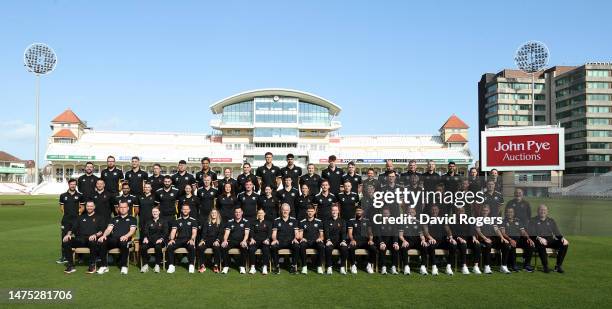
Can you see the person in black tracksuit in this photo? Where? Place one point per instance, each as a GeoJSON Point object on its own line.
{"type": "Point", "coordinates": [269, 203]}
{"type": "Point", "coordinates": [546, 234]}
{"type": "Point", "coordinates": [335, 238]}
{"type": "Point", "coordinates": [207, 196]}
{"type": "Point", "coordinates": [490, 237]}
{"type": "Point", "coordinates": [153, 235]}
{"type": "Point", "coordinates": [348, 201]}
{"type": "Point", "coordinates": [83, 232]}
{"type": "Point", "coordinates": [104, 200]}
{"type": "Point", "coordinates": [288, 194]}
{"type": "Point", "coordinates": [514, 231]}
{"type": "Point", "coordinates": [211, 233]}
{"type": "Point", "coordinates": [360, 236]}
{"type": "Point", "coordinates": [248, 200]}
{"type": "Point", "coordinates": [146, 203]}
{"type": "Point", "coordinates": [333, 174]}
{"type": "Point", "coordinates": [167, 200]}
{"type": "Point", "coordinates": [183, 234]}
{"type": "Point", "coordinates": [189, 198]}
{"type": "Point", "coordinates": [465, 237]}
{"type": "Point", "coordinates": [227, 202]}
{"type": "Point", "coordinates": [261, 237]}
{"type": "Point", "coordinates": [71, 205]}
{"type": "Point", "coordinates": [386, 238]}
{"type": "Point", "coordinates": [311, 237]}
{"type": "Point", "coordinates": [439, 237]}
{"type": "Point", "coordinates": [87, 182]}
{"type": "Point", "coordinates": [284, 236]}
{"type": "Point", "coordinates": [411, 237]}
{"type": "Point", "coordinates": [324, 201]}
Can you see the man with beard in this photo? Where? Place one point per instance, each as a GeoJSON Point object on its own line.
{"type": "Point", "coordinates": [83, 232]}
{"type": "Point", "coordinates": [87, 181]}
{"type": "Point", "coordinates": [412, 170]}
{"type": "Point", "coordinates": [112, 176]}
{"type": "Point", "coordinates": [360, 236]}
{"type": "Point", "coordinates": [183, 235]}
{"type": "Point", "coordinates": [311, 237]}
{"type": "Point", "coordinates": [430, 178]}
{"type": "Point", "coordinates": [136, 177]}
{"type": "Point", "coordinates": [167, 200]}
{"type": "Point", "coordinates": [71, 206]}
{"type": "Point", "coordinates": [291, 170]}
{"type": "Point", "coordinates": [206, 171]}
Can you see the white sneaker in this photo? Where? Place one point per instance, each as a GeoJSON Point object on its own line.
{"type": "Point", "coordinates": [476, 270]}
{"type": "Point", "coordinates": [406, 270]}
{"type": "Point", "coordinates": [393, 270]}
{"type": "Point", "coordinates": [423, 270]}
{"type": "Point", "coordinates": [225, 270]}
{"type": "Point", "coordinates": [320, 270]}
{"type": "Point", "coordinates": [343, 270]}
{"type": "Point", "coordinates": [124, 270]}
{"type": "Point", "coordinates": [102, 270]}
{"type": "Point", "coordinates": [191, 269]}
{"type": "Point", "coordinates": [252, 271]}
{"type": "Point", "coordinates": [329, 270]}
{"type": "Point", "coordinates": [504, 269]}
{"type": "Point", "coordinates": [449, 270]}
{"type": "Point", "coordinates": [144, 268]}
{"type": "Point", "coordinates": [170, 269]}
{"type": "Point", "coordinates": [156, 268]}
{"type": "Point", "coordinates": [370, 269]}
{"type": "Point", "coordinates": [465, 270]}
{"type": "Point", "coordinates": [354, 269]}
{"type": "Point", "coordinates": [304, 270]}
{"type": "Point", "coordinates": [487, 269]}
{"type": "Point", "coordinates": [242, 270]}
{"type": "Point", "coordinates": [434, 270]}
{"type": "Point", "coordinates": [264, 270]}
{"type": "Point", "coordinates": [383, 270]}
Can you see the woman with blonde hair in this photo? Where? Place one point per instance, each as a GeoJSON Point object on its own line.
{"type": "Point", "coordinates": [210, 235]}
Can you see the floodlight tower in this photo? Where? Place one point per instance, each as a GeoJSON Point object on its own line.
{"type": "Point", "coordinates": [39, 59]}
{"type": "Point", "coordinates": [531, 58]}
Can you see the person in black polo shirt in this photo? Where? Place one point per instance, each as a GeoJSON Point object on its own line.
{"type": "Point", "coordinates": [227, 173]}
{"type": "Point", "coordinates": [439, 236]}
{"type": "Point", "coordinates": [386, 238]}
{"type": "Point", "coordinates": [412, 170]}
{"type": "Point", "coordinates": [474, 179]}
{"type": "Point", "coordinates": [348, 201]}
{"type": "Point", "coordinates": [236, 235]}
{"type": "Point", "coordinates": [153, 235]}
{"type": "Point", "coordinates": [190, 199]}
{"type": "Point", "coordinates": [207, 195]}
{"type": "Point", "coordinates": [118, 234]}
{"type": "Point", "coordinates": [247, 200]}
{"type": "Point", "coordinates": [247, 175]}
{"type": "Point", "coordinates": [211, 234]}
{"type": "Point", "coordinates": [182, 178]}
{"type": "Point", "coordinates": [183, 234]}
{"type": "Point", "coordinates": [411, 237]}
{"type": "Point", "coordinates": [71, 205]}
{"type": "Point", "coordinates": [324, 201]}
{"type": "Point", "coordinates": [112, 176]}
{"type": "Point", "coordinates": [227, 202]}
{"type": "Point", "coordinates": [335, 238]}
{"type": "Point", "coordinates": [430, 178]}
{"type": "Point", "coordinates": [490, 236]}
{"type": "Point", "coordinates": [167, 200]}
{"type": "Point", "coordinates": [545, 233]}
{"type": "Point", "coordinates": [284, 236]}
{"type": "Point", "coordinates": [288, 194]}
{"type": "Point", "coordinates": [269, 203]}
{"type": "Point", "coordinates": [451, 179]}
{"type": "Point", "coordinates": [494, 199]}
{"type": "Point", "coordinates": [146, 202]}
{"type": "Point", "coordinates": [157, 179]}
{"type": "Point", "coordinates": [303, 202]}
{"type": "Point", "coordinates": [465, 236]}
{"type": "Point", "coordinates": [522, 208]}
{"type": "Point", "coordinates": [312, 180]}
{"type": "Point", "coordinates": [311, 237]}
{"type": "Point", "coordinates": [87, 181]}
{"type": "Point", "coordinates": [136, 177]}
{"type": "Point", "coordinates": [382, 178]}
{"type": "Point", "coordinates": [206, 171]}
{"type": "Point", "coordinates": [333, 175]}
{"type": "Point", "coordinates": [353, 178]}
{"type": "Point", "coordinates": [128, 198]}
{"type": "Point", "coordinates": [292, 170]}
{"type": "Point", "coordinates": [268, 173]}
{"type": "Point", "coordinates": [371, 180]}
{"type": "Point", "coordinates": [515, 232]}
{"type": "Point", "coordinates": [83, 232]}
{"type": "Point", "coordinates": [361, 237]}
{"type": "Point", "coordinates": [105, 202]}
{"type": "Point", "coordinates": [261, 237]}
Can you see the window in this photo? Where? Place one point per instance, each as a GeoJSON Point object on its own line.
{"type": "Point", "coordinates": [598, 85]}
{"type": "Point", "coordinates": [598, 73]}
{"type": "Point", "coordinates": [492, 99]}
{"type": "Point", "coordinates": [599, 133]}
{"type": "Point", "coordinates": [313, 114]}
{"type": "Point", "coordinates": [599, 121]}
{"type": "Point", "coordinates": [540, 118]}
{"type": "Point", "coordinates": [599, 97]}
{"type": "Point", "coordinates": [275, 132]}
{"type": "Point", "coordinates": [540, 107]}
{"type": "Point", "coordinates": [276, 118]}
{"type": "Point", "coordinates": [238, 113]}
{"type": "Point", "coordinates": [598, 109]}
{"type": "Point", "coordinates": [600, 145]}
{"type": "Point", "coordinates": [491, 88]}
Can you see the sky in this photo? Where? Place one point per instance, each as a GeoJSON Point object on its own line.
{"type": "Point", "coordinates": [395, 67]}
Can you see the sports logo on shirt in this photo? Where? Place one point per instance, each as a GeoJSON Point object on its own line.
{"type": "Point", "coordinates": [241, 224]}
{"type": "Point", "coordinates": [188, 223]}
{"type": "Point", "coordinates": [290, 223]}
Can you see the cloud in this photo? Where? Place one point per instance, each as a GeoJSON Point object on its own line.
{"type": "Point", "coordinates": [17, 130]}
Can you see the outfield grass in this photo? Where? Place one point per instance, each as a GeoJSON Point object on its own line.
{"type": "Point", "coordinates": [30, 244]}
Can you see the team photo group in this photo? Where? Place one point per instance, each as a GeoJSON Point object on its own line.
{"type": "Point", "coordinates": [320, 220]}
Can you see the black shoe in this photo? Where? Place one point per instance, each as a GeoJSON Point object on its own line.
{"type": "Point", "coordinates": [294, 269]}
{"type": "Point", "coordinates": [69, 270]}
{"type": "Point", "coordinates": [276, 270]}
{"type": "Point", "coordinates": [528, 268]}
{"type": "Point", "coordinates": [515, 268]}
{"type": "Point", "coordinates": [545, 269]}
{"type": "Point", "coordinates": [91, 269]}
{"type": "Point", "coordinates": [559, 269]}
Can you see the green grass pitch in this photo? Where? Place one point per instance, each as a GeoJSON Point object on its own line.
{"type": "Point", "coordinates": [30, 245]}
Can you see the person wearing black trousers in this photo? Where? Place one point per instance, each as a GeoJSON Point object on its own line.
{"type": "Point", "coordinates": [154, 235]}
{"type": "Point", "coordinates": [335, 238]}
{"type": "Point", "coordinates": [261, 236]}
{"type": "Point", "coordinates": [411, 237]}
{"type": "Point", "coordinates": [439, 237]}
{"type": "Point", "coordinates": [490, 237]}
{"type": "Point", "coordinates": [465, 236]}
{"type": "Point", "coordinates": [211, 233]}
{"type": "Point", "coordinates": [386, 238]}
{"type": "Point", "coordinates": [514, 231]}
{"type": "Point", "coordinates": [311, 237]}
{"type": "Point", "coordinates": [545, 233]}
{"type": "Point", "coordinates": [361, 237]}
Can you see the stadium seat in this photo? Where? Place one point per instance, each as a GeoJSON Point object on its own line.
{"type": "Point", "coordinates": [152, 251]}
